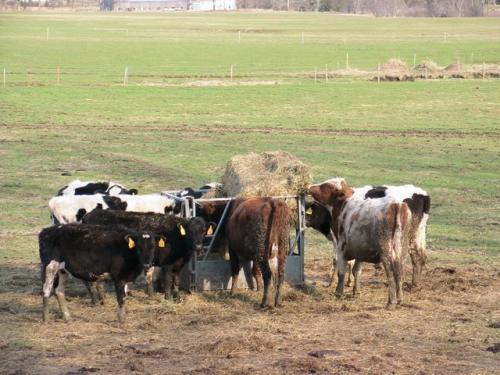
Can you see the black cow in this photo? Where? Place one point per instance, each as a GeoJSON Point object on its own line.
{"type": "Point", "coordinates": [92, 253]}
{"type": "Point", "coordinates": [182, 238]}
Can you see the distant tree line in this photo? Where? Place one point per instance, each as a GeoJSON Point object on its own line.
{"type": "Point", "coordinates": [387, 8]}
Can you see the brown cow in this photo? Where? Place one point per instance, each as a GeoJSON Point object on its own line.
{"type": "Point", "coordinates": [258, 230]}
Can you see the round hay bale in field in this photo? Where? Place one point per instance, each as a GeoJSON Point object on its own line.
{"type": "Point", "coordinates": [266, 174]}
{"type": "Point", "coordinates": [395, 70]}
{"type": "Point", "coordinates": [428, 65]}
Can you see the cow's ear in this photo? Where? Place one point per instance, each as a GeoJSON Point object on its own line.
{"type": "Point", "coordinates": [130, 241]}
{"type": "Point", "coordinates": [182, 230]}
{"type": "Point", "coordinates": [211, 229]}
{"type": "Point", "coordinates": [162, 241]}
{"type": "Point", "coordinates": [133, 192]}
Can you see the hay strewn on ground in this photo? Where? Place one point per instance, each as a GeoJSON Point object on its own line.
{"type": "Point", "coordinates": [266, 174]}
{"type": "Point", "coordinates": [397, 70]}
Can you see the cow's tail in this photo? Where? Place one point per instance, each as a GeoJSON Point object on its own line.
{"type": "Point", "coordinates": [281, 227]}
{"type": "Point", "coordinates": [399, 235]}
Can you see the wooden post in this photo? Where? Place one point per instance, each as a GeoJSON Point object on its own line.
{"type": "Point", "coordinates": [425, 72]}
{"type": "Point", "coordinates": [231, 74]}
{"type": "Point", "coordinates": [445, 36]}
{"type": "Point", "coordinates": [58, 75]}
{"type": "Point", "coordinates": [315, 74]}
{"type": "Point", "coordinates": [472, 58]}
{"type": "Point", "coordinates": [347, 60]}
{"type": "Point", "coordinates": [414, 60]}
{"type": "Point", "coordinates": [4, 76]}
{"type": "Point", "coordinates": [125, 77]}
{"type": "Point", "coordinates": [47, 34]}
{"type": "Point", "coordinates": [484, 70]}
{"type": "Point", "coordinates": [378, 73]}
{"type": "Point", "coordinates": [302, 37]}
{"type": "Point", "coordinates": [239, 36]}
{"type": "Point", "coordinates": [28, 78]}
{"type": "Point", "coordinates": [326, 73]}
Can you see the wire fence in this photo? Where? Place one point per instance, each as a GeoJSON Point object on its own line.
{"type": "Point", "coordinates": [231, 74]}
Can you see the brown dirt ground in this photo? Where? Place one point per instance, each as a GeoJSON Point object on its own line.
{"type": "Point", "coordinates": [446, 327]}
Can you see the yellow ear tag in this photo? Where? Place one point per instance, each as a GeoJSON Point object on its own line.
{"type": "Point", "coordinates": [309, 211]}
{"type": "Point", "coordinates": [131, 243]}
{"type": "Point", "coordinates": [210, 231]}
{"type": "Point", "coordinates": [183, 231]}
{"type": "Point", "coordinates": [161, 243]}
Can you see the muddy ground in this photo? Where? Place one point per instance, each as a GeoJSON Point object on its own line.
{"type": "Point", "coordinates": [449, 326]}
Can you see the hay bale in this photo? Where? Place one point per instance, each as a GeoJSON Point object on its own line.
{"type": "Point", "coordinates": [429, 66]}
{"type": "Point", "coordinates": [395, 65]}
{"type": "Point", "coordinates": [395, 70]}
{"type": "Point", "coordinates": [266, 174]}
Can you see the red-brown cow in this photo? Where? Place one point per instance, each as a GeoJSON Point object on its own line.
{"type": "Point", "coordinates": [258, 230]}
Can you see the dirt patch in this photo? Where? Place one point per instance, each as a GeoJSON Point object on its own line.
{"type": "Point", "coordinates": [440, 329]}
{"type": "Point", "coordinates": [213, 83]}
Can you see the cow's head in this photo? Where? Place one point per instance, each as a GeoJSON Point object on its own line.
{"type": "Point", "coordinates": [195, 233]}
{"type": "Point", "coordinates": [114, 203]}
{"type": "Point", "coordinates": [318, 217]}
{"type": "Point", "coordinates": [331, 192]}
{"type": "Point", "coordinates": [144, 244]}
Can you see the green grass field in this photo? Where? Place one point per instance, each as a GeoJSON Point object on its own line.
{"type": "Point", "coordinates": [441, 135]}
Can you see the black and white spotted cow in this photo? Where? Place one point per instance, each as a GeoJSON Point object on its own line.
{"type": "Point", "coordinates": [66, 209]}
{"type": "Point", "coordinates": [78, 187]}
{"type": "Point", "coordinates": [92, 253]}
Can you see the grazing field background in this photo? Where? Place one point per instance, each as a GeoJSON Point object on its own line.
{"type": "Point", "coordinates": [64, 110]}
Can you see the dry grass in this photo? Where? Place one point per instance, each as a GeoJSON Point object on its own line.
{"type": "Point", "coordinates": [446, 327]}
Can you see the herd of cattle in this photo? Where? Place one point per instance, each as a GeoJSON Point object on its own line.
{"type": "Point", "coordinates": [104, 231]}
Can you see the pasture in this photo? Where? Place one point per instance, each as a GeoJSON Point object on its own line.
{"type": "Point", "coordinates": [179, 118]}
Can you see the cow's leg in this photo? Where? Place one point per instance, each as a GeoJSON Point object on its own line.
{"type": "Point", "coordinates": [389, 272]}
{"type": "Point", "coordinates": [149, 281]}
{"type": "Point", "coordinates": [120, 298]}
{"type": "Point", "coordinates": [333, 270]}
{"type": "Point", "coordinates": [175, 284]}
{"type": "Point", "coordinates": [398, 279]}
{"type": "Point", "coordinates": [341, 270]}
{"type": "Point", "coordinates": [92, 288]}
{"type": "Point", "coordinates": [49, 275]}
{"type": "Point", "coordinates": [63, 278]}
{"type": "Point", "coordinates": [356, 271]}
{"type": "Point", "coordinates": [101, 291]}
{"type": "Point", "coordinates": [235, 270]}
{"type": "Point", "coordinates": [349, 273]}
{"type": "Point", "coordinates": [257, 275]}
{"type": "Point", "coordinates": [167, 281]}
{"type": "Point", "coordinates": [266, 276]}
{"type": "Point", "coordinates": [248, 270]}
{"type": "Point", "coordinates": [280, 278]}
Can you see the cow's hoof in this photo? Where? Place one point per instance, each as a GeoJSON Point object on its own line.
{"type": "Point", "coordinates": [66, 318]}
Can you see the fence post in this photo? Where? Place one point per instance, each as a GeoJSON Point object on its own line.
{"type": "Point", "coordinates": [239, 36]}
{"type": "Point", "coordinates": [4, 78]}
{"type": "Point", "coordinates": [58, 75]}
{"type": "Point", "coordinates": [347, 60]}
{"type": "Point", "coordinates": [302, 37]}
{"type": "Point", "coordinates": [315, 74]}
{"type": "Point", "coordinates": [231, 72]}
{"type": "Point", "coordinates": [326, 73]}
{"type": "Point", "coordinates": [378, 73]}
{"type": "Point", "coordinates": [414, 60]}
{"type": "Point", "coordinates": [125, 77]}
